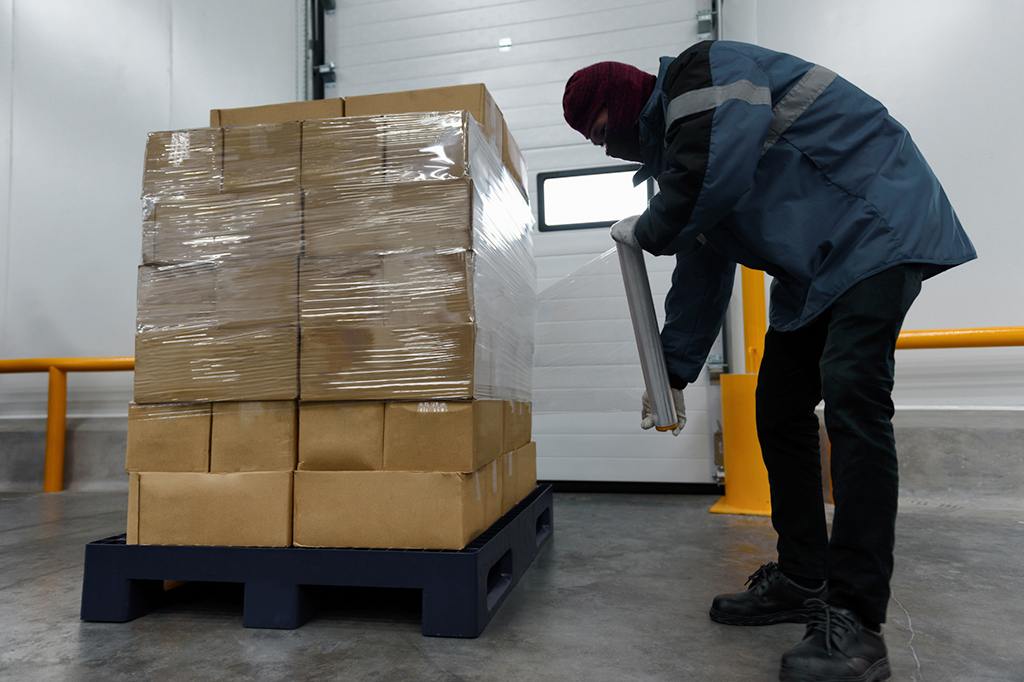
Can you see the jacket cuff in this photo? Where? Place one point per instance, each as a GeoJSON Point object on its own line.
{"type": "Point", "coordinates": [676, 382]}
{"type": "Point", "coordinates": [642, 230]}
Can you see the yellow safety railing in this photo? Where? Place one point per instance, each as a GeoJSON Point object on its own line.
{"type": "Point", "coordinates": [57, 402]}
{"type": "Point", "coordinates": [747, 490]}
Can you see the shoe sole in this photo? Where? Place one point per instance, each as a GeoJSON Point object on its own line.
{"type": "Point", "coordinates": [793, 616]}
{"type": "Point", "coordinates": [879, 671]}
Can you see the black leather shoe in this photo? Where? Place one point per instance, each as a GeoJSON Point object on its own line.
{"type": "Point", "coordinates": [772, 598]}
{"type": "Point", "coordinates": [836, 648]}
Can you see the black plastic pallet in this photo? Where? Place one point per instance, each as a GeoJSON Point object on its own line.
{"type": "Point", "coordinates": [462, 589]}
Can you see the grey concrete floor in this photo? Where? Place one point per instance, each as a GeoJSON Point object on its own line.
{"type": "Point", "coordinates": [621, 593]}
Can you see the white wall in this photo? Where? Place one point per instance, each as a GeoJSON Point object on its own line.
{"type": "Point", "coordinates": [950, 72]}
{"type": "Point", "coordinates": [82, 84]}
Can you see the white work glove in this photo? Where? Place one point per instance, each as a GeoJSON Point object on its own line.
{"type": "Point", "coordinates": [647, 415]}
{"type": "Point", "coordinates": [624, 231]}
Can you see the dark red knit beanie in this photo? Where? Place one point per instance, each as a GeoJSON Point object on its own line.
{"type": "Point", "coordinates": [624, 89]}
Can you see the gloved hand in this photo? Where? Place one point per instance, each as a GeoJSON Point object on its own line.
{"type": "Point", "coordinates": [624, 231]}
{"type": "Point", "coordinates": [647, 415]}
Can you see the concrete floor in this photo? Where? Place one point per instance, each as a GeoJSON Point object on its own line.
{"type": "Point", "coordinates": [621, 593]}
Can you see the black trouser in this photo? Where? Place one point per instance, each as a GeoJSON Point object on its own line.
{"type": "Point", "coordinates": [846, 357]}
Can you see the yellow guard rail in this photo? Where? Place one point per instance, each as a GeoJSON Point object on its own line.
{"type": "Point", "coordinates": [751, 486]}
{"type": "Point", "coordinates": [57, 402]}
{"type": "Point", "coordinates": [746, 489]}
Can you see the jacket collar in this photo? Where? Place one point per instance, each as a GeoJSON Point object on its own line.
{"type": "Point", "coordinates": [652, 129]}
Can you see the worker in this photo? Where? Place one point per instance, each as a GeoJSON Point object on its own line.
{"type": "Point", "coordinates": [778, 164]}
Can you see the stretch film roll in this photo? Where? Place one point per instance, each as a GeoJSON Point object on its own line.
{"type": "Point", "coordinates": [648, 340]}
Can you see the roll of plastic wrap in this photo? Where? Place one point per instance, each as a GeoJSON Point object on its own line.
{"type": "Point", "coordinates": [648, 340]}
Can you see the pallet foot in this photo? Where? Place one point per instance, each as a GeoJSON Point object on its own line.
{"type": "Point", "coordinates": [277, 605]}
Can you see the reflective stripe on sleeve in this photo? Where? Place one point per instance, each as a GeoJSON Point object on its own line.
{"type": "Point", "coordinates": [796, 102]}
{"type": "Point", "coordinates": [696, 101]}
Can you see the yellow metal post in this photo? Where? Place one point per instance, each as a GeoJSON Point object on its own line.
{"type": "Point", "coordinates": [56, 430]}
{"type": "Point", "coordinates": [755, 319]}
{"type": "Point", "coordinates": [746, 479]}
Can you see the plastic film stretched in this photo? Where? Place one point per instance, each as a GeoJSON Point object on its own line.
{"type": "Point", "coordinates": [378, 257]}
{"type": "Point", "coordinates": [420, 288]}
{"type": "Point", "coordinates": [587, 358]}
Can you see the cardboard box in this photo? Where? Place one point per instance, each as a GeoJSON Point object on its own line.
{"type": "Point", "coordinates": [354, 219]}
{"type": "Point", "coordinates": [262, 157]}
{"type": "Point", "coordinates": [429, 288]}
{"type": "Point", "coordinates": [395, 289]}
{"type": "Point", "coordinates": [342, 290]}
{"type": "Point", "coordinates": [180, 294]}
{"type": "Point", "coordinates": [170, 437]}
{"type": "Point", "coordinates": [341, 436]}
{"type": "Point", "coordinates": [196, 228]}
{"type": "Point", "coordinates": [342, 150]}
{"type": "Point", "coordinates": [494, 491]}
{"type": "Point", "coordinates": [387, 363]}
{"type": "Point", "coordinates": [257, 292]}
{"type": "Point", "coordinates": [423, 147]}
{"type": "Point", "coordinates": [442, 436]}
{"type": "Point", "coordinates": [254, 436]}
{"type": "Point", "coordinates": [473, 98]}
{"type": "Point", "coordinates": [518, 425]}
{"type": "Point", "coordinates": [513, 159]}
{"type": "Point", "coordinates": [508, 482]}
{"type": "Point", "coordinates": [252, 509]}
{"type": "Point", "coordinates": [279, 113]}
{"type": "Point", "coordinates": [396, 509]}
{"type": "Point", "coordinates": [193, 364]}
{"type": "Point", "coordinates": [183, 162]}
{"type": "Point", "coordinates": [525, 466]}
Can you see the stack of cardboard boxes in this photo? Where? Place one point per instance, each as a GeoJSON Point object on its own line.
{"type": "Point", "coordinates": [335, 328]}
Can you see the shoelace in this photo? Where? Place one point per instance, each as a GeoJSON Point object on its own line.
{"type": "Point", "coordinates": [764, 576]}
{"type": "Point", "coordinates": [827, 620]}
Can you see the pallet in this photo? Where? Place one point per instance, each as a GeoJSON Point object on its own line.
{"type": "Point", "coordinates": [462, 589]}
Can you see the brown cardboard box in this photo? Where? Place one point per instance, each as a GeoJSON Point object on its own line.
{"type": "Point", "coordinates": [394, 289]}
{"type": "Point", "coordinates": [262, 157]}
{"type": "Point", "coordinates": [341, 436]}
{"type": "Point", "coordinates": [252, 509]}
{"type": "Point", "coordinates": [279, 113]}
{"type": "Point", "coordinates": [387, 363]}
{"type": "Point", "coordinates": [494, 491]}
{"type": "Point", "coordinates": [353, 219]}
{"type": "Point", "coordinates": [525, 465]}
{"type": "Point", "coordinates": [257, 292]}
{"type": "Point", "coordinates": [175, 295]}
{"type": "Point", "coordinates": [508, 483]}
{"type": "Point", "coordinates": [397, 509]}
{"type": "Point", "coordinates": [429, 288]}
{"type": "Point", "coordinates": [196, 228]}
{"type": "Point", "coordinates": [513, 159]}
{"type": "Point", "coordinates": [518, 425]}
{"type": "Point", "coordinates": [183, 161]}
{"type": "Point", "coordinates": [442, 436]}
{"type": "Point", "coordinates": [342, 290]}
{"type": "Point", "coordinates": [342, 150]}
{"type": "Point", "coordinates": [473, 98]}
{"type": "Point", "coordinates": [254, 436]}
{"type": "Point", "coordinates": [170, 437]}
{"type": "Point", "coordinates": [422, 147]}
{"type": "Point", "coordinates": [193, 364]}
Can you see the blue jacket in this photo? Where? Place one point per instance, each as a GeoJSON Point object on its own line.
{"type": "Point", "coordinates": [769, 161]}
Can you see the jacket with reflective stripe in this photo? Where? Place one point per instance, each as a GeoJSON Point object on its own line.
{"type": "Point", "coordinates": [766, 160]}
